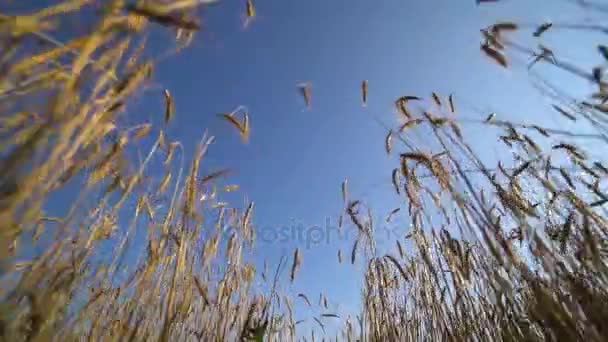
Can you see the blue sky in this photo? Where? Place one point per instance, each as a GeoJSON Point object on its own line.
{"type": "Point", "coordinates": [296, 159]}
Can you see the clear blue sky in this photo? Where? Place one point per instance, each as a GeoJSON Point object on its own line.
{"type": "Point", "coordinates": [296, 159]}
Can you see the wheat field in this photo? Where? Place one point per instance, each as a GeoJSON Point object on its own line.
{"type": "Point", "coordinates": [514, 251]}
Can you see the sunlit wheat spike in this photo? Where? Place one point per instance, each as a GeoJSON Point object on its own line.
{"type": "Point", "coordinates": [408, 98]}
{"type": "Point", "coordinates": [542, 29]}
{"type": "Point", "coordinates": [490, 117]}
{"type": "Point", "coordinates": [396, 179]}
{"type": "Point", "coordinates": [391, 214]}
{"type": "Point", "coordinates": [305, 91]}
{"type": "Point", "coordinates": [402, 108]}
{"type": "Point", "coordinates": [398, 265]}
{"type": "Point", "coordinates": [597, 74]}
{"type": "Point", "coordinates": [417, 156]}
{"type": "Point", "coordinates": [492, 39]}
{"type": "Point", "coordinates": [439, 155]}
{"type": "Point", "coordinates": [401, 104]}
{"type": "Point", "coordinates": [502, 169]}
{"type": "Point", "coordinates": [601, 96]}
{"type": "Point", "coordinates": [332, 315]}
{"type": "Point", "coordinates": [598, 203]}
{"type": "Point", "coordinates": [564, 113]}
{"type": "Point", "coordinates": [456, 129]}
{"type": "Point", "coordinates": [495, 55]}
{"type": "Point", "coordinates": [566, 177]}
{"type": "Point", "coordinates": [405, 170]}
{"type": "Point", "coordinates": [132, 81]}
{"type": "Point", "coordinates": [164, 183]}
{"type": "Point", "coordinates": [158, 15]}
{"type": "Point", "coordinates": [521, 169]}
{"type": "Point", "coordinates": [214, 175]}
{"type": "Point", "coordinates": [541, 130]}
{"type": "Point", "coordinates": [570, 149]}
{"type": "Point", "coordinates": [353, 253]}
{"type": "Point", "coordinates": [345, 191]}
{"type": "Point", "coordinates": [162, 141]}
{"type": "Point", "coordinates": [352, 212]}
{"type": "Point", "coordinates": [410, 123]}
{"type": "Point", "coordinates": [364, 92]}
{"type": "Point", "coordinates": [250, 13]}
{"type": "Point", "coordinates": [242, 127]}
{"type": "Point", "coordinates": [247, 215]}
{"type": "Point", "coordinates": [296, 264]}
{"type": "Point", "coordinates": [587, 169]}
{"type": "Point", "coordinates": [400, 249]}
{"type": "Point", "coordinates": [249, 9]}
{"type": "Point", "coordinates": [169, 106]}
{"type": "Point", "coordinates": [412, 194]}
{"type": "Point", "coordinates": [388, 142]}
{"type": "Point", "coordinates": [246, 126]}
{"type": "Point", "coordinates": [303, 296]}
{"type": "Point", "coordinates": [183, 4]}
{"type": "Point", "coordinates": [603, 50]}
{"type": "Point", "coordinates": [435, 120]}
{"type": "Point", "coordinates": [600, 166]}
{"type": "Point", "coordinates": [451, 102]}
{"type": "Point", "coordinates": [436, 99]}
{"type": "Point", "coordinates": [504, 26]}
{"type": "Point", "coordinates": [141, 131]}
{"type": "Point", "coordinates": [531, 143]}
